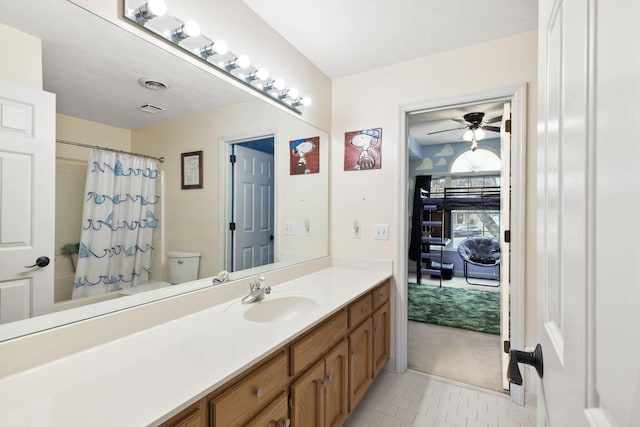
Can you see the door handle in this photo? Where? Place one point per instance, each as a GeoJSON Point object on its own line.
{"type": "Point", "coordinates": [42, 261]}
{"type": "Point", "coordinates": [533, 358]}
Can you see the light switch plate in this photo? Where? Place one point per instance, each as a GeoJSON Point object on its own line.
{"type": "Point", "coordinates": [289, 228]}
{"type": "Point", "coordinates": [381, 231]}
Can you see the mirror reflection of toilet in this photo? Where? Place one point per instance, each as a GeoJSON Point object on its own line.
{"type": "Point", "coordinates": [182, 266]}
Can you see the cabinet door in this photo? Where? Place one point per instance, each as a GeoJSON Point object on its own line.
{"type": "Point", "coordinates": [307, 398]}
{"type": "Point", "coordinates": [190, 417]}
{"type": "Point", "coordinates": [381, 336]}
{"type": "Point", "coordinates": [360, 362]}
{"type": "Point", "coordinates": [274, 415]}
{"type": "Point", "coordinates": [336, 384]}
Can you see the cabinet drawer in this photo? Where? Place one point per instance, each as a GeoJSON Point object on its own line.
{"type": "Point", "coordinates": [274, 415]}
{"type": "Point", "coordinates": [245, 398]}
{"type": "Point", "coordinates": [360, 309]}
{"type": "Point", "coordinates": [310, 347]}
{"type": "Point", "coordinates": [381, 294]}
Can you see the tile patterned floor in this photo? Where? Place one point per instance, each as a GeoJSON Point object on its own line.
{"type": "Point", "coordinates": [416, 399]}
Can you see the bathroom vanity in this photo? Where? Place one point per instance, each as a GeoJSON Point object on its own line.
{"type": "Point", "coordinates": [316, 379]}
{"type": "Point", "coordinates": [304, 355]}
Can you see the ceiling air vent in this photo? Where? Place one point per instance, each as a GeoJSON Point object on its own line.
{"type": "Point", "coordinates": [151, 109]}
{"type": "Point", "coordinates": [153, 84]}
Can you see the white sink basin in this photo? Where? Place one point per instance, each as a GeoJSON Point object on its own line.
{"type": "Point", "coordinates": [273, 308]}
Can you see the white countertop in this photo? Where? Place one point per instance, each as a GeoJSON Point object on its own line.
{"type": "Point", "coordinates": [138, 379]}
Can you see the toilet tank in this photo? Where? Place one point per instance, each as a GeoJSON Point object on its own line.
{"type": "Point", "coordinates": [183, 266]}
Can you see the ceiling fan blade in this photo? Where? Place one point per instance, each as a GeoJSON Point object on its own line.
{"type": "Point", "coordinates": [446, 130]}
{"type": "Point", "coordinates": [461, 121]}
{"type": "Point", "coordinates": [492, 128]}
{"type": "Point", "coordinates": [494, 120]}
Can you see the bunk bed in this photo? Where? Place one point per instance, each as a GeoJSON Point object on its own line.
{"type": "Point", "coordinates": [467, 198]}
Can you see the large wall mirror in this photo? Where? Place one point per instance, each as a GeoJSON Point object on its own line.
{"type": "Point", "coordinates": [98, 72]}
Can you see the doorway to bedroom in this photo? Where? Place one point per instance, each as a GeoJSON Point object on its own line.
{"type": "Point", "coordinates": [458, 259]}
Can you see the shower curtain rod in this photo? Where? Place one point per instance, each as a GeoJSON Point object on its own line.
{"type": "Point", "coordinates": [79, 144]}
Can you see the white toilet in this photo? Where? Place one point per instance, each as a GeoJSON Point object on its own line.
{"type": "Point", "coordinates": [183, 267]}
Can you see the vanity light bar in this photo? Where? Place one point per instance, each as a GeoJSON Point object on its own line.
{"type": "Point", "coordinates": [151, 15]}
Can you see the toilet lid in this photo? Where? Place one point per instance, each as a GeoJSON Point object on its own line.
{"type": "Point", "coordinates": [182, 254]}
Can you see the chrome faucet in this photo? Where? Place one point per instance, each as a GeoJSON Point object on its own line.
{"type": "Point", "coordinates": [222, 277]}
{"type": "Point", "coordinates": [257, 291]}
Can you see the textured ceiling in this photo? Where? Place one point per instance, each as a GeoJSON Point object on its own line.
{"type": "Point", "coordinates": [345, 37]}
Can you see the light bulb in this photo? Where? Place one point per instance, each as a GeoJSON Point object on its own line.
{"type": "Point", "coordinates": [278, 84]}
{"type": "Point", "coordinates": [305, 101]}
{"type": "Point", "coordinates": [262, 74]}
{"type": "Point", "coordinates": [219, 47]}
{"type": "Point", "coordinates": [468, 135]}
{"type": "Point", "coordinates": [186, 30]}
{"type": "Point", "coordinates": [157, 7]}
{"type": "Point", "coordinates": [293, 93]}
{"type": "Point", "coordinates": [243, 61]}
{"type": "Point", "coordinates": [149, 10]}
{"type": "Point", "coordinates": [191, 29]}
{"type": "Point", "coordinates": [480, 134]}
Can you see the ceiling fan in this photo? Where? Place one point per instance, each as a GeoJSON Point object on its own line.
{"type": "Point", "coordinates": [475, 126]}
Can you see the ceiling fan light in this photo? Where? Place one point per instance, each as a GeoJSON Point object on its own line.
{"type": "Point", "coordinates": [480, 133]}
{"type": "Point", "coordinates": [468, 135]}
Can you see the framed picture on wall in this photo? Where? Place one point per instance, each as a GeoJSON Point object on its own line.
{"type": "Point", "coordinates": [191, 167]}
{"type": "Point", "coordinates": [304, 156]}
{"type": "Point", "coordinates": [363, 149]}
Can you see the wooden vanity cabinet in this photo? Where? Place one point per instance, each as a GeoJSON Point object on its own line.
{"type": "Point", "coordinates": [274, 415]}
{"type": "Point", "coordinates": [244, 400]}
{"type": "Point", "coordinates": [360, 362]}
{"type": "Point", "coordinates": [319, 396]}
{"type": "Point", "coordinates": [193, 416]}
{"type": "Point", "coordinates": [315, 380]}
{"type": "Point", "coordinates": [381, 337]}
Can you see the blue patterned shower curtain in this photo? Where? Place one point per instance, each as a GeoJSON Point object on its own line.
{"type": "Point", "coordinates": [118, 222]}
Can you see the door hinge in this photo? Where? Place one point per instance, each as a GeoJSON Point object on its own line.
{"type": "Point", "coordinates": [290, 401]}
{"type": "Point", "coordinates": [232, 226]}
{"type": "Point", "coordinates": [506, 346]}
{"type": "Point", "coordinates": [507, 126]}
{"type": "Point", "coordinates": [232, 158]}
{"type": "Point", "coordinates": [507, 236]}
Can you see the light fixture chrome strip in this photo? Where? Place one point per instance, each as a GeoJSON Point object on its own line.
{"type": "Point", "coordinates": [151, 15]}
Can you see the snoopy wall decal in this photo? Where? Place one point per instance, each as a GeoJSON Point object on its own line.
{"type": "Point", "coordinates": [305, 156]}
{"type": "Point", "coordinates": [362, 149]}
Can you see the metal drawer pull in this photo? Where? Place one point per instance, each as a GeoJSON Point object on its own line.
{"type": "Point", "coordinates": [259, 392]}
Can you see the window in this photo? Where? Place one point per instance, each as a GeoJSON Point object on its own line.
{"type": "Point", "coordinates": [472, 169]}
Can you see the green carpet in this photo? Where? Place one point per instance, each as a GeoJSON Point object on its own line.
{"type": "Point", "coordinates": [457, 308]}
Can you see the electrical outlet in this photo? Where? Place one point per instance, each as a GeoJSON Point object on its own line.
{"type": "Point", "coordinates": [381, 231]}
{"type": "Point", "coordinates": [289, 228]}
{"type": "Point", "coordinates": [355, 233]}
{"type": "Point", "coordinates": [307, 227]}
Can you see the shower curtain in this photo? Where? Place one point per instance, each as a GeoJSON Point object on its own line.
{"type": "Point", "coordinates": [118, 222]}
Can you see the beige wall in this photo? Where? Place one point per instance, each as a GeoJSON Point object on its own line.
{"type": "Point", "coordinates": [87, 132]}
{"type": "Point", "coordinates": [192, 217]}
{"type": "Point", "coordinates": [373, 99]}
{"type": "Point", "coordinates": [21, 55]}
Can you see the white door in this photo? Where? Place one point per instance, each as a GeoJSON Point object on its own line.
{"type": "Point", "coordinates": [27, 178]}
{"type": "Point", "coordinates": [253, 183]}
{"type": "Point", "coordinates": [505, 224]}
{"type": "Point", "coordinates": [588, 293]}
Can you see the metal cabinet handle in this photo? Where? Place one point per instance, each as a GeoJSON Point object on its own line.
{"type": "Point", "coordinates": [42, 261]}
{"type": "Point", "coordinates": [259, 392]}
